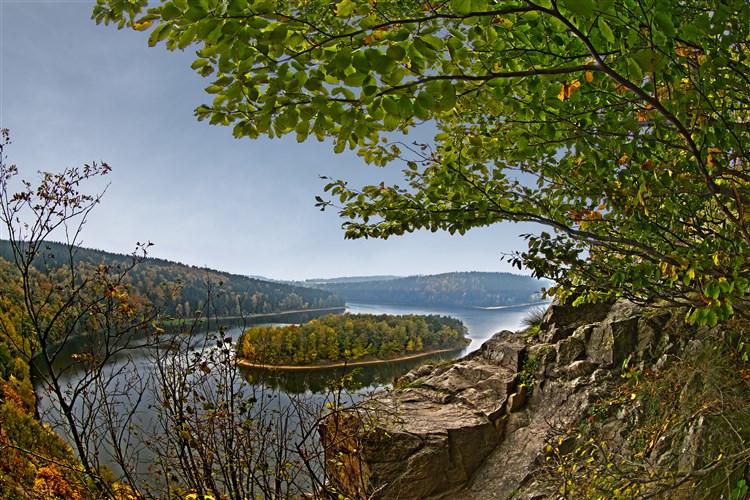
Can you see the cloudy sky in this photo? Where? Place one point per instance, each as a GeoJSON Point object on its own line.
{"type": "Point", "coordinates": [72, 92]}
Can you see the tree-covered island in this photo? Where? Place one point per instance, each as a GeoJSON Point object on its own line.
{"type": "Point", "coordinates": [350, 337]}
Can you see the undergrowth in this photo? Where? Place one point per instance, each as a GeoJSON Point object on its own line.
{"type": "Point", "coordinates": [533, 320]}
{"type": "Point", "coordinates": [683, 431]}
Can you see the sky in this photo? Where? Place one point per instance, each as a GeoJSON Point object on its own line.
{"type": "Point", "coordinates": [72, 92]}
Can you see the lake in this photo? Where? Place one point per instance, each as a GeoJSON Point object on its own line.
{"type": "Point", "coordinates": [314, 384]}
{"type": "Point", "coordinates": [481, 324]}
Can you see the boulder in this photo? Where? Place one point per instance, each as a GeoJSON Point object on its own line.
{"type": "Point", "coordinates": [561, 320]}
{"type": "Point", "coordinates": [614, 339]}
{"type": "Point", "coordinates": [428, 439]}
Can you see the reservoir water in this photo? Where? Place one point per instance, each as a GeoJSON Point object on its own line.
{"type": "Point", "coordinates": [480, 323]}
{"type": "Point", "coordinates": [284, 387]}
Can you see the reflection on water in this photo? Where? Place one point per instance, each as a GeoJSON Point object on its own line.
{"type": "Point", "coordinates": [366, 377]}
{"type": "Point", "coordinates": [284, 386]}
{"type": "Point", "coordinates": [481, 324]}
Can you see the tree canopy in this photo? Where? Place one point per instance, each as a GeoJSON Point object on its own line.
{"type": "Point", "coordinates": [621, 125]}
{"type": "Point", "coordinates": [350, 337]}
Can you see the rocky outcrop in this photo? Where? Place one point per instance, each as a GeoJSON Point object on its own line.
{"type": "Point", "coordinates": [478, 428]}
{"type": "Point", "coordinates": [430, 437]}
{"type": "Point", "coordinates": [480, 423]}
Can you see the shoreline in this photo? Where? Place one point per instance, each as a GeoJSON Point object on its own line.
{"type": "Point", "coordinates": [249, 364]}
{"type": "Point", "coordinates": [544, 304]}
{"type": "Point", "coordinates": [219, 319]}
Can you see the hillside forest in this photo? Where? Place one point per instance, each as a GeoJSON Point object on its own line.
{"type": "Point", "coordinates": [181, 291]}
{"type": "Point", "coordinates": [467, 289]}
{"type": "Point", "coordinates": [350, 337]}
{"type": "Point", "coordinates": [109, 299]}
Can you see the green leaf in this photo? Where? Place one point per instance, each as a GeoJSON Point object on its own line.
{"type": "Point", "coordinates": [279, 33]}
{"type": "Point", "coordinates": [356, 79]}
{"type": "Point", "coordinates": [196, 13]}
{"type": "Point", "coordinates": [396, 76]}
{"type": "Point", "coordinates": [605, 30]}
{"type": "Point", "coordinates": [604, 5]}
{"type": "Point", "coordinates": [380, 62]}
{"type": "Point", "coordinates": [404, 107]}
{"type": "Point", "coordinates": [396, 52]}
{"type": "Point", "coordinates": [447, 96]}
{"type": "Point", "coordinates": [689, 32]}
{"type": "Point", "coordinates": [663, 20]}
{"type": "Point", "coordinates": [648, 60]}
{"type": "Point", "coordinates": [711, 318]}
{"type": "Point", "coordinates": [712, 291]}
{"type": "Point", "coordinates": [426, 101]}
{"type": "Point", "coordinates": [635, 74]}
{"type": "Point", "coordinates": [461, 7]}
{"type": "Point", "coordinates": [169, 11]}
{"type": "Point", "coordinates": [199, 63]}
{"type": "Point", "coordinates": [360, 62]}
{"type": "Point", "coordinates": [345, 8]}
{"type": "Point", "coordinates": [158, 34]}
{"type": "Point", "coordinates": [420, 112]}
{"type": "Point", "coordinates": [583, 8]}
{"type": "Point", "coordinates": [342, 59]}
{"type": "Point", "coordinates": [303, 130]}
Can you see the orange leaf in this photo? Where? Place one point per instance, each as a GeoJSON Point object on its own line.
{"type": "Point", "coordinates": [568, 89]}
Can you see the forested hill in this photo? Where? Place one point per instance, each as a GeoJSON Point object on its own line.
{"type": "Point", "coordinates": [231, 294]}
{"type": "Point", "coordinates": [469, 289]}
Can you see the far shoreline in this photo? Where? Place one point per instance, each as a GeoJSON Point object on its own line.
{"type": "Point", "coordinates": [249, 364]}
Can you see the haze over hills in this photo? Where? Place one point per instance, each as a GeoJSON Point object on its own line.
{"type": "Point", "coordinates": [234, 295]}
{"type": "Point", "coordinates": [348, 279]}
{"type": "Point", "coordinates": [469, 289]}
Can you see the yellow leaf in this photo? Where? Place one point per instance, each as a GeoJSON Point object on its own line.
{"type": "Point", "coordinates": [624, 159]}
{"type": "Point", "coordinates": [713, 160]}
{"type": "Point", "coordinates": [142, 26]}
{"type": "Point", "coordinates": [589, 76]}
{"type": "Point", "coordinates": [568, 89]}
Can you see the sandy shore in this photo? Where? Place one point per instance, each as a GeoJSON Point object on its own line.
{"type": "Point", "coordinates": [245, 362]}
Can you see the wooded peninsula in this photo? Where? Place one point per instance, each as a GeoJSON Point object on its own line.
{"type": "Point", "coordinates": [353, 337]}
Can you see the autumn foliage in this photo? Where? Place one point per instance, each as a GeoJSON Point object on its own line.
{"type": "Point", "coordinates": [350, 337]}
{"type": "Point", "coordinates": [619, 126]}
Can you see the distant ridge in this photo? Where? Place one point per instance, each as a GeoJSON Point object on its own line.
{"type": "Point", "coordinates": [348, 279]}
{"type": "Point", "coordinates": [468, 289]}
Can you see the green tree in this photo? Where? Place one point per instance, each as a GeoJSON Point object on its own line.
{"type": "Point", "coordinates": [59, 299]}
{"type": "Point", "coordinates": [622, 125]}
